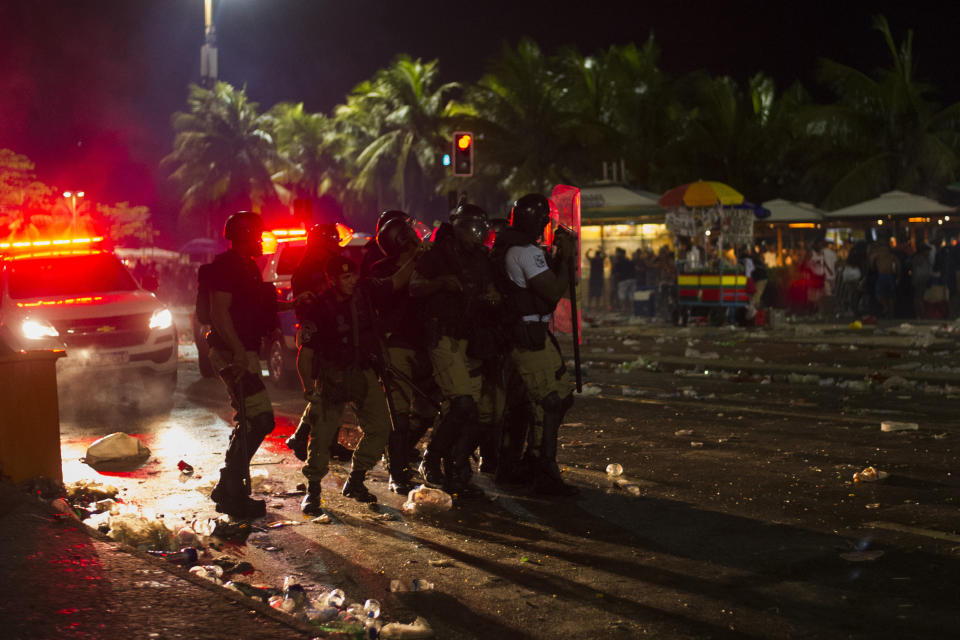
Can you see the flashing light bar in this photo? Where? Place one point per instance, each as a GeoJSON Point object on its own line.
{"type": "Point", "coordinates": [20, 244]}
{"type": "Point", "coordinates": [67, 302]}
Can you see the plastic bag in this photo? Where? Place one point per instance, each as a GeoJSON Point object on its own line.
{"type": "Point", "coordinates": [117, 451]}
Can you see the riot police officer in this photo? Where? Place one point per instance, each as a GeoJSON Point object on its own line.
{"type": "Point", "coordinates": [455, 280]}
{"type": "Point", "coordinates": [532, 286]}
{"type": "Point", "coordinates": [243, 310]}
{"type": "Point", "coordinates": [309, 280]}
{"type": "Point", "coordinates": [349, 354]}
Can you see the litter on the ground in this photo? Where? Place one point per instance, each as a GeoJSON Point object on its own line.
{"type": "Point", "coordinates": [418, 630]}
{"type": "Point", "coordinates": [870, 474]}
{"type": "Point", "coordinates": [892, 425]}
{"type": "Point", "coordinates": [117, 452]}
{"type": "Point", "coordinates": [590, 390]}
{"type": "Point", "coordinates": [614, 469]}
{"type": "Point", "coordinates": [423, 499]}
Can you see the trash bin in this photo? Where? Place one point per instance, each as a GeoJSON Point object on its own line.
{"type": "Point", "coordinates": [30, 416]}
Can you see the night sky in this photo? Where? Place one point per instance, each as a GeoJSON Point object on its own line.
{"type": "Point", "coordinates": [87, 86]}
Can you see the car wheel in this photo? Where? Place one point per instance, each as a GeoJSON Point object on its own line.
{"type": "Point", "coordinates": [277, 364]}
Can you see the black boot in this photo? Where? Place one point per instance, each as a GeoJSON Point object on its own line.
{"type": "Point", "coordinates": [230, 497]}
{"type": "Point", "coordinates": [355, 489]}
{"type": "Point", "coordinates": [444, 436]}
{"type": "Point", "coordinates": [311, 504]}
{"type": "Point", "coordinates": [397, 455]}
{"type": "Point", "coordinates": [548, 480]}
{"type": "Point", "coordinates": [458, 470]}
{"type": "Point", "coordinates": [299, 440]}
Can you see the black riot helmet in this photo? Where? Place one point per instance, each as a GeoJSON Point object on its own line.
{"type": "Point", "coordinates": [243, 226]}
{"type": "Point", "coordinates": [530, 214]}
{"type": "Point", "coordinates": [465, 209]}
{"type": "Point", "coordinates": [470, 221]}
{"type": "Point", "coordinates": [390, 214]}
{"type": "Point", "coordinates": [396, 236]}
{"type": "Point", "coordinates": [323, 236]}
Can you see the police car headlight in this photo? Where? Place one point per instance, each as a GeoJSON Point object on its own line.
{"type": "Point", "coordinates": [161, 319]}
{"type": "Point", "coordinates": [38, 329]}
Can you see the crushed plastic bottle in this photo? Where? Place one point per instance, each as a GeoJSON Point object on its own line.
{"type": "Point", "coordinates": [258, 592]}
{"type": "Point", "coordinates": [335, 598]}
{"type": "Point", "coordinates": [209, 572]}
{"type": "Point", "coordinates": [423, 499]}
{"type": "Point", "coordinates": [186, 556]}
{"type": "Point", "coordinates": [870, 474]}
{"type": "Point", "coordinates": [294, 597]}
{"type": "Point", "coordinates": [372, 608]}
{"type": "Point", "coordinates": [419, 630]}
{"type": "Point", "coordinates": [417, 584]}
{"type": "Point", "coordinates": [614, 469]}
{"type": "Point", "coordinates": [185, 468]}
{"type": "Point", "coordinates": [888, 426]}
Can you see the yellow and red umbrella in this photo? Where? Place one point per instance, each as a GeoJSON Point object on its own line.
{"type": "Point", "coordinates": [702, 193]}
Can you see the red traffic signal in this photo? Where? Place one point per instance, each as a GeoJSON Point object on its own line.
{"type": "Point", "coordinates": [462, 153]}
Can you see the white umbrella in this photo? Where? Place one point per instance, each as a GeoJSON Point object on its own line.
{"type": "Point", "coordinates": [893, 203]}
{"type": "Point", "coordinates": [787, 211]}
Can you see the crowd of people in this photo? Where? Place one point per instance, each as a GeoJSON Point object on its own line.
{"type": "Point", "coordinates": [445, 340]}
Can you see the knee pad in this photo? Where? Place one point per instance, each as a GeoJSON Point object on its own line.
{"type": "Point", "coordinates": [552, 403]}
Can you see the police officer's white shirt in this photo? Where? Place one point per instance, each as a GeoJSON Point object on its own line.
{"type": "Point", "coordinates": [523, 264]}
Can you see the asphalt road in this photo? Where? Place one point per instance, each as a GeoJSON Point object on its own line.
{"type": "Point", "coordinates": [746, 520]}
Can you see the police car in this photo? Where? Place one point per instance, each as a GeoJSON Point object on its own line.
{"type": "Point", "coordinates": [73, 294]}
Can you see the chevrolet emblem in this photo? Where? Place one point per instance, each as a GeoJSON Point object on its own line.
{"type": "Point", "coordinates": [106, 328]}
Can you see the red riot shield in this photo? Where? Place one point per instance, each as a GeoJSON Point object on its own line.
{"type": "Point", "coordinates": [565, 210]}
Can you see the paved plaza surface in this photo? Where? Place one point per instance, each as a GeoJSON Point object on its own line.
{"type": "Point", "coordinates": [736, 513]}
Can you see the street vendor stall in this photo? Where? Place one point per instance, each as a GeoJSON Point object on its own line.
{"type": "Point", "coordinates": [709, 221]}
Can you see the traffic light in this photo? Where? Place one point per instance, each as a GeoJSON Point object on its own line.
{"type": "Point", "coordinates": [463, 153]}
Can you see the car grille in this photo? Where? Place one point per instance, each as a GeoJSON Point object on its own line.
{"type": "Point", "coordinates": [105, 333]}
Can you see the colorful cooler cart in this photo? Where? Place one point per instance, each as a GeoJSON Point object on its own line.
{"type": "Point", "coordinates": [713, 289]}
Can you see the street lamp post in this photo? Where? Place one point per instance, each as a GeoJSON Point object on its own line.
{"type": "Point", "coordinates": [208, 52]}
{"type": "Point", "coordinates": [72, 197]}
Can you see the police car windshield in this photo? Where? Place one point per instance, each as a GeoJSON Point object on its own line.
{"type": "Point", "coordinates": [46, 277]}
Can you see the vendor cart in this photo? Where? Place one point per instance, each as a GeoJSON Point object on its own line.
{"type": "Point", "coordinates": [702, 213]}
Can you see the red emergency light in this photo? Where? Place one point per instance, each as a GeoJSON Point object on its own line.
{"type": "Point", "coordinates": [60, 246]}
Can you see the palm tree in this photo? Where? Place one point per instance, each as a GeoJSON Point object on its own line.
{"type": "Point", "coordinates": [221, 153]}
{"type": "Point", "coordinates": [301, 138]}
{"type": "Point", "coordinates": [883, 132]}
{"type": "Point", "coordinates": [407, 118]}
{"type": "Point", "coordinates": [524, 135]}
{"type": "Point", "coordinates": [738, 136]}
